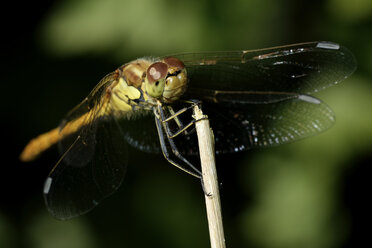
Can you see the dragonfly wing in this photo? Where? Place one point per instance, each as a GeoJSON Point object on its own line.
{"type": "Point", "coordinates": [140, 131]}
{"type": "Point", "coordinates": [72, 188]}
{"type": "Point", "coordinates": [92, 100]}
{"type": "Point", "coordinates": [240, 126]}
{"type": "Point", "coordinates": [94, 157]}
{"type": "Point", "coordinates": [302, 68]}
{"type": "Point", "coordinates": [84, 115]}
{"type": "Point", "coordinates": [259, 98]}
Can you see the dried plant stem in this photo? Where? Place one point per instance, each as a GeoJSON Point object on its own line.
{"type": "Point", "coordinates": [212, 196]}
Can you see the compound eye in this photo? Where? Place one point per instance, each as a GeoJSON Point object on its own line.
{"type": "Point", "coordinates": [157, 71]}
{"type": "Point", "coordinates": [174, 62]}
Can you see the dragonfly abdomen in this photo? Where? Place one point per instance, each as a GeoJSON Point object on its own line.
{"type": "Point", "coordinates": [46, 140]}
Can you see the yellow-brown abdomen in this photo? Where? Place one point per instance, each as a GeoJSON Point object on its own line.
{"type": "Point", "coordinates": [41, 143]}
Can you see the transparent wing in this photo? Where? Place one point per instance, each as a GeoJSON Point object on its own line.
{"type": "Point", "coordinates": [81, 122]}
{"type": "Point", "coordinates": [93, 100]}
{"type": "Point", "coordinates": [259, 98]}
{"type": "Point", "coordinates": [140, 131]}
{"type": "Point", "coordinates": [94, 157]}
{"type": "Point", "coordinates": [302, 68]}
{"type": "Point", "coordinates": [239, 125]}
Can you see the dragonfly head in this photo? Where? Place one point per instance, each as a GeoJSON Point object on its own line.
{"type": "Point", "coordinates": [166, 80]}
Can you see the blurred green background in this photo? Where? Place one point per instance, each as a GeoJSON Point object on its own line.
{"type": "Point", "coordinates": [312, 193]}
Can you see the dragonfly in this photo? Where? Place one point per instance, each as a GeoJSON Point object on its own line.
{"type": "Point", "coordinates": [253, 98]}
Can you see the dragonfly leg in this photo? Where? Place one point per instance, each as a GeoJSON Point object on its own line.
{"type": "Point", "coordinates": [176, 114]}
{"type": "Point", "coordinates": [182, 128]}
{"type": "Point", "coordinates": [195, 172]}
{"type": "Point", "coordinates": [177, 119]}
{"type": "Point", "coordinates": [160, 125]}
